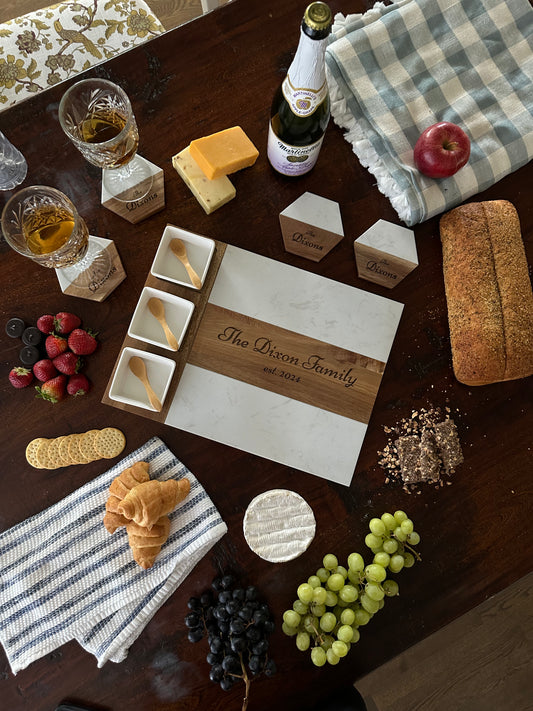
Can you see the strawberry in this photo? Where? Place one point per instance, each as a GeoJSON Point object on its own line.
{"type": "Point", "coordinates": [53, 390]}
{"type": "Point", "coordinates": [45, 323]}
{"type": "Point", "coordinates": [82, 342]}
{"type": "Point", "coordinates": [55, 345]}
{"type": "Point", "coordinates": [44, 370]}
{"type": "Point", "coordinates": [20, 377]}
{"type": "Point", "coordinates": [65, 322]}
{"type": "Point", "coordinates": [78, 384]}
{"type": "Point", "coordinates": [68, 363]}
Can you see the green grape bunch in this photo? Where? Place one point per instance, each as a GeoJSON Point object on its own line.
{"type": "Point", "coordinates": [337, 601]}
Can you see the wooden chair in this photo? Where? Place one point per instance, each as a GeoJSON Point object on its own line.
{"type": "Point", "coordinates": [208, 5]}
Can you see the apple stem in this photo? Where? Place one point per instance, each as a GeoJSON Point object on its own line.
{"type": "Point", "coordinates": [451, 145]}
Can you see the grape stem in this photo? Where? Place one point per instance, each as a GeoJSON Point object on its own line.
{"type": "Point", "coordinates": [412, 550]}
{"type": "Point", "coordinates": [318, 636]}
{"type": "Point", "coordinates": [409, 548]}
{"type": "Point", "coordinates": [244, 676]}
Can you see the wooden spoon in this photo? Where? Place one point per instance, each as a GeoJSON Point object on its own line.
{"type": "Point", "coordinates": [157, 309]}
{"type": "Point", "coordinates": [180, 251]}
{"type": "Point", "coordinates": [138, 368]}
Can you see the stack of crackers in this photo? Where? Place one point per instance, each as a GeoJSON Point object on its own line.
{"type": "Point", "coordinates": [43, 453]}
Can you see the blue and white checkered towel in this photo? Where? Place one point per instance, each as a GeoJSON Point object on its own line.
{"type": "Point", "coordinates": [396, 70]}
{"type": "Point", "coordinates": [63, 576]}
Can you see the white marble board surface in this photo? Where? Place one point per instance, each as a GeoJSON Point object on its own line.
{"type": "Point", "coordinates": [265, 423]}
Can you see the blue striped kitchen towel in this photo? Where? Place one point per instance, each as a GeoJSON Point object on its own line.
{"type": "Point", "coordinates": [63, 576]}
{"type": "Point", "coordinates": [395, 70]}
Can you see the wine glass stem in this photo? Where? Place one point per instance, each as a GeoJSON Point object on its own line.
{"type": "Point", "coordinates": [130, 182]}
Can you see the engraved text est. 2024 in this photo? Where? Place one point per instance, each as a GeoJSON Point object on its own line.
{"type": "Point", "coordinates": [264, 346]}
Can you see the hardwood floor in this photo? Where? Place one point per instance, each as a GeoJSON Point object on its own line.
{"type": "Point", "coordinates": [482, 661]}
{"type": "Point", "coordinates": [171, 13]}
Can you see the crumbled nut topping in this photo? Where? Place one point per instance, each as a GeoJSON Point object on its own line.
{"type": "Point", "coordinates": [421, 449]}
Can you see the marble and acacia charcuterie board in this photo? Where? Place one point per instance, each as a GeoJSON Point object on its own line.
{"type": "Point", "coordinates": [278, 362]}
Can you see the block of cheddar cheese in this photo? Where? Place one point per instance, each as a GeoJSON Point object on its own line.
{"type": "Point", "coordinates": [224, 152]}
{"type": "Point", "coordinates": [211, 194]}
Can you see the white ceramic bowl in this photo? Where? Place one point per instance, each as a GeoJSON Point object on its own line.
{"type": "Point", "coordinates": [127, 388]}
{"type": "Point", "coordinates": [145, 327]}
{"type": "Point", "coordinates": [199, 251]}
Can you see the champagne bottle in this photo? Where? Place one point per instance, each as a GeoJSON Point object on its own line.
{"type": "Point", "coordinates": [300, 109]}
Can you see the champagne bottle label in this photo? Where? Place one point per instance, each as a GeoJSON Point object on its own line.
{"type": "Point", "coordinates": [300, 108]}
{"type": "Point", "coordinates": [303, 102]}
{"type": "Point", "coordinates": [291, 160]}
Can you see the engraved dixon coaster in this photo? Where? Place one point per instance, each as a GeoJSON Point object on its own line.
{"type": "Point", "coordinates": [96, 289]}
{"type": "Point", "coordinates": [136, 210]}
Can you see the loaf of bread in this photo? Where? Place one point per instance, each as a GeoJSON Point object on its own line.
{"type": "Point", "coordinates": [488, 293]}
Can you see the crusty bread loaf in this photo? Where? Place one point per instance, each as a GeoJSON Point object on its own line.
{"type": "Point", "coordinates": [488, 293]}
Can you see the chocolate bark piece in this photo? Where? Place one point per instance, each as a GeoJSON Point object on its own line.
{"type": "Point", "coordinates": [429, 457]}
{"type": "Point", "coordinates": [408, 448]}
{"type": "Point", "coordinates": [448, 444]}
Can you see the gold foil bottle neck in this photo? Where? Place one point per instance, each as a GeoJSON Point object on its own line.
{"type": "Point", "coordinates": [318, 16]}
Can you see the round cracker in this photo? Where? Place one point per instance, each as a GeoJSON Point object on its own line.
{"type": "Point", "coordinates": [31, 452]}
{"type": "Point", "coordinates": [58, 441]}
{"type": "Point", "coordinates": [41, 452]}
{"type": "Point", "coordinates": [52, 454]}
{"type": "Point", "coordinates": [47, 455]}
{"type": "Point", "coordinates": [63, 450]}
{"type": "Point", "coordinates": [109, 442]}
{"type": "Point", "coordinates": [74, 450]}
{"type": "Point", "coordinates": [86, 445]}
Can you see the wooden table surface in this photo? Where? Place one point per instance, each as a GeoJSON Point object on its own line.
{"type": "Point", "coordinates": [216, 72]}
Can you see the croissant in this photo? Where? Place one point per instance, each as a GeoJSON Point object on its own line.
{"type": "Point", "coordinates": [113, 520]}
{"type": "Point", "coordinates": [130, 477]}
{"type": "Point", "coordinates": [150, 500]}
{"type": "Point", "coordinates": [120, 486]}
{"type": "Point", "coordinates": [146, 544]}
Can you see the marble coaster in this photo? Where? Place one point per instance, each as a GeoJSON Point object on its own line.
{"type": "Point", "coordinates": [136, 210]}
{"type": "Point", "coordinates": [96, 289]}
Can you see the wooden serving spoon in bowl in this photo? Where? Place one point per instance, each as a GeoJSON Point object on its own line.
{"type": "Point", "coordinates": [138, 368]}
{"type": "Point", "coordinates": [180, 251]}
{"type": "Point", "coordinates": [157, 309]}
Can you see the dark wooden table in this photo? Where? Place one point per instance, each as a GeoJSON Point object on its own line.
{"type": "Point", "coordinates": [210, 74]}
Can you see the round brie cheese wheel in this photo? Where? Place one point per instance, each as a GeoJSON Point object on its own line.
{"type": "Point", "coordinates": [279, 525]}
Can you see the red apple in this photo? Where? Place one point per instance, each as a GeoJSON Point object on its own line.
{"type": "Point", "coordinates": [441, 150]}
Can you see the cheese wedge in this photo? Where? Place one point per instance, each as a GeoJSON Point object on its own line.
{"type": "Point", "coordinates": [224, 152]}
{"type": "Point", "coordinates": [211, 194]}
